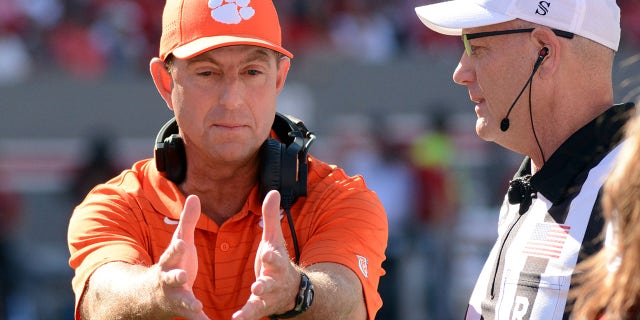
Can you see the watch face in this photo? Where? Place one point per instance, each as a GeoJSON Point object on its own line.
{"type": "Point", "coordinates": [309, 298]}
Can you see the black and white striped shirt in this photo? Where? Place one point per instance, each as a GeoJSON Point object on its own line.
{"type": "Point", "coordinates": [528, 272]}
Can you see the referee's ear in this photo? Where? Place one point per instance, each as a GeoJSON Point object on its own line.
{"type": "Point", "coordinates": [162, 79]}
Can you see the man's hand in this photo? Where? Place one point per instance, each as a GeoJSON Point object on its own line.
{"type": "Point", "coordinates": [277, 280]}
{"type": "Point", "coordinates": [119, 290]}
{"type": "Point", "coordinates": [179, 265]}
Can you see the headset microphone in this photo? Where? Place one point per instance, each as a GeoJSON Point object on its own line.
{"type": "Point", "coordinates": [504, 124]}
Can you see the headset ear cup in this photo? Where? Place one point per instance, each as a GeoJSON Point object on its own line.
{"type": "Point", "coordinates": [271, 166]}
{"type": "Point", "coordinates": [169, 152]}
{"type": "Point", "coordinates": [175, 159]}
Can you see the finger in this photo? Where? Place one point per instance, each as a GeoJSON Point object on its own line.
{"type": "Point", "coordinates": [173, 254]}
{"type": "Point", "coordinates": [191, 305]}
{"type": "Point", "coordinates": [272, 231]}
{"type": "Point", "coordinates": [260, 286]}
{"type": "Point", "coordinates": [188, 219]}
{"type": "Point", "coordinates": [174, 278]}
{"type": "Point", "coordinates": [190, 308]}
{"type": "Point", "coordinates": [255, 308]}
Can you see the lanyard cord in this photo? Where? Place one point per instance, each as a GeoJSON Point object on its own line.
{"type": "Point", "coordinates": [532, 126]}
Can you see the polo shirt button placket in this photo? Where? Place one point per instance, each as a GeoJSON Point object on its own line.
{"type": "Point", "coordinates": [224, 246]}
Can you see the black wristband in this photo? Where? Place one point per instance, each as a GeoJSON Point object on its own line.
{"type": "Point", "coordinates": [304, 299]}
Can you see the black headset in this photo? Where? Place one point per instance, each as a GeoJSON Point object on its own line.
{"type": "Point", "coordinates": [283, 165]}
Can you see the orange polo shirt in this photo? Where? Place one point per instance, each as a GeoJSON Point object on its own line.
{"type": "Point", "coordinates": [132, 219]}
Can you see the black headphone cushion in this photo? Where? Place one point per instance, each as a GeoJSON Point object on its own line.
{"type": "Point", "coordinates": [271, 165]}
{"type": "Point", "coordinates": [174, 158]}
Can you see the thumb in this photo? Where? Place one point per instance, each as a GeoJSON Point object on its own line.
{"type": "Point", "coordinates": [272, 231]}
{"type": "Point", "coordinates": [188, 220]}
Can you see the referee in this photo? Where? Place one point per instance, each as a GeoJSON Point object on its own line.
{"type": "Point", "coordinates": [539, 73]}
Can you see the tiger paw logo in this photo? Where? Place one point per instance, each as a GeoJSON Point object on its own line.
{"type": "Point", "coordinates": [231, 11]}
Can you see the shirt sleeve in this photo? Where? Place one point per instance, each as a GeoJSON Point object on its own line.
{"type": "Point", "coordinates": [104, 228]}
{"type": "Point", "coordinates": [350, 228]}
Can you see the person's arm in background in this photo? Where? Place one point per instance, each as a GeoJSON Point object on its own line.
{"type": "Point", "coordinates": [119, 290]}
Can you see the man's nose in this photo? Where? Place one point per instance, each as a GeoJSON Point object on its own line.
{"type": "Point", "coordinates": [463, 74]}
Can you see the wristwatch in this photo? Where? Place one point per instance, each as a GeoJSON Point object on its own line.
{"type": "Point", "coordinates": [304, 299]}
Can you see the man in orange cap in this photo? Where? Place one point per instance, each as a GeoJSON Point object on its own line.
{"type": "Point", "coordinates": [198, 232]}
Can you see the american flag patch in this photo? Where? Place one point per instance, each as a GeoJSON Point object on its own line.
{"type": "Point", "coordinates": [547, 240]}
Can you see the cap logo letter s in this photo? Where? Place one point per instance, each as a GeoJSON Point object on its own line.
{"type": "Point", "coordinates": [543, 8]}
{"type": "Point", "coordinates": [230, 11]}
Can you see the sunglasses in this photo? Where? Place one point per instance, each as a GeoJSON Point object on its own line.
{"type": "Point", "coordinates": [470, 36]}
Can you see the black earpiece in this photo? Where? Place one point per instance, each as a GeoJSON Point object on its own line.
{"type": "Point", "coordinates": [543, 53]}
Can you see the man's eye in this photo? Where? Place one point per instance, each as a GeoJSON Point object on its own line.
{"type": "Point", "coordinates": [253, 72]}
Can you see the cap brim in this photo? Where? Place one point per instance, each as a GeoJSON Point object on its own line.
{"type": "Point", "coordinates": [202, 45]}
{"type": "Point", "coordinates": [450, 17]}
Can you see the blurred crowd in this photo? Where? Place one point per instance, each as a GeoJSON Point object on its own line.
{"type": "Point", "coordinates": [90, 38]}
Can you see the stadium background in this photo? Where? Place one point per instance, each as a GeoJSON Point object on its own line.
{"type": "Point", "coordinates": [367, 77]}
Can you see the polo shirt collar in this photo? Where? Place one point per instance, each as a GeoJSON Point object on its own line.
{"type": "Point", "coordinates": [167, 199]}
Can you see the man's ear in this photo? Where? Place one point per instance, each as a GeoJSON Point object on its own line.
{"type": "Point", "coordinates": [283, 70]}
{"type": "Point", "coordinates": [545, 38]}
{"type": "Point", "coordinates": [162, 79]}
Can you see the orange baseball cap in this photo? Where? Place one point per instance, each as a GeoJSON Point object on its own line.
{"type": "Point", "coordinates": [191, 27]}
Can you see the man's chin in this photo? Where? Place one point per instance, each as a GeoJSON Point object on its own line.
{"type": "Point", "coordinates": [483, 131]}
